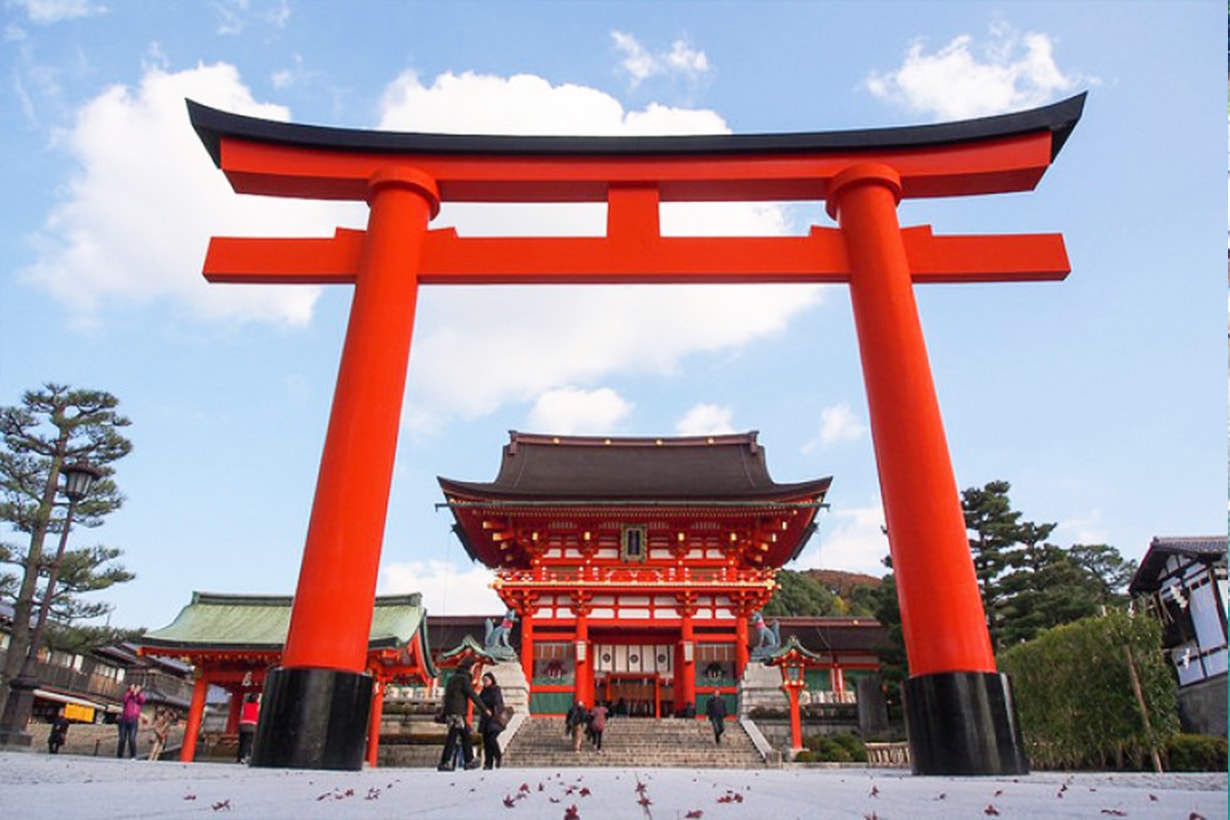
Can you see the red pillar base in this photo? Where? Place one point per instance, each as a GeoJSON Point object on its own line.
{"type": "Point", "coordinates": [313, 719]}
{"type": "Point", "coordinates": [963, 723]}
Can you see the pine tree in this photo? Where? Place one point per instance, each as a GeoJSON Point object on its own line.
{"type": "Point", "coordinates": [999, 545]}
{"type": "Point", "coordinates": [51, 427]}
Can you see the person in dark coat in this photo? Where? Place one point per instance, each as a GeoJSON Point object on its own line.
{"type": "Point", "coordinates": [59, 733]}
{"type": "Point", "coordinates": [491, 724]}
{"type": "Point", "coordinates": [575, 723]}
{"type": "Point", "coordinates": [716, 711]}
{"type": "Point", "coordinates": [457, 691]}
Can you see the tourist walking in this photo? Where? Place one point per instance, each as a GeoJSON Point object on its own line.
{"type": "Point", "coordinates": [716, 711]}
{"type": "Point", "coordinates": [492, 723]}
{"type": "Point", "coordinates": [574, 724]}
{"type": "Point", "coordinates": [249, 715]}
{"type": "Point", "coordinates": [58, 733]}
{"type": "Point", "coordinates": [457, 692]}
{"type": "Point", "coordinates": [130, 718]}
{"type": "Point", "coordinates": [597, 724]}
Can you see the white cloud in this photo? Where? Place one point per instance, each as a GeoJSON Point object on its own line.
{"type": "Point", "coordinates": [1088, 528]}
{"type": "Point", "coordinates": [571, 410]}
{"type": "Point", "coordinates": [837, 423]}
{"type": "Point", "coordinates": [641, 64]}
{"type": "Point", "coordinates": [704, 420]}
{"type": "Point", "coordinates": [447, 589]}
{"type": "Point", "coordinates": [514, 343]}
{"type": "Point", "coordinates": [965, 79]}
{"type": "Point", "coordinates": [55, 11]}
{"type": "Point", "coordinates": [850, 539]}
{"type": "Point", "coordinates": [136, 162]}
{"type": "Point", "coordinates": [145, 198]}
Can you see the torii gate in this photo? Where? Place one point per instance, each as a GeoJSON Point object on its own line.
{"type": "Point", "coordinates": [960, 715]}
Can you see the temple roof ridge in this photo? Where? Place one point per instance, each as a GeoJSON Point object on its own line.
{"type": "Point", "coordinates": [720, 467]}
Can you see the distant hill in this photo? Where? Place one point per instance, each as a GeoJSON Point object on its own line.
{"type": "Point", "coordinates": [839, 582]}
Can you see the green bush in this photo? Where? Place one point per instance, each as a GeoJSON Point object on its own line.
{"type": "Point", "coordinates": [805, 756]}
{"type": "Point", "coordinates": [1075, 697]}
{"type": "Point", "coordinates": [852, 746]}
{"type": "Point", "coordinates": [1196, 753]}
{"type": "Point", "coordinates": [843, 748]}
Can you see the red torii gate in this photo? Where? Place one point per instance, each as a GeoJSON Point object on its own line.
{"type": "Point", "coordinates": [960, 714]}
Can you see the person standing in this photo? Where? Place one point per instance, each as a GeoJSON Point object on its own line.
{"type": "Point", "coordinates": [163, 718]}
{"type": "Point", "coordinates": [575, 722]}
{"type": "Point", "coordinates": [130, 718]}
{"type": "Point", "coordinates": [716, 710]}
{"type": "Point", "coordinates": [58, 734]}
{"type": "Point", "coordinates": [457, 692]}
{"type": "Point", "coordinates": [492, 723]}
{"type": "Point", "coordinates": [597, 724]}
{"type": "Point", "coordinates": [249, 714]}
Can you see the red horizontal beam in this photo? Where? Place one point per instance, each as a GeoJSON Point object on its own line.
{"type": "Point", "coordinates": [819, 257]}
{"type": "Point", "coordinates": [1013, 163]}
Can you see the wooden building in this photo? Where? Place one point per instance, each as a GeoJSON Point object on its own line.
{"type": "Point", "coordinates": [633, 565]}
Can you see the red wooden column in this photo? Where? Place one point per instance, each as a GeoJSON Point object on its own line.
{"type": "Point", "coordinates": [741, 650]}
{"type": "Point", "coordinates": [583, 679]}
{"type": "Point", "coordinates": [196, 710]}
{"type": "Point", "coordinates": [685, 678]}
{"type": "Point", "coordinates": [322, 680]}
{"type": "Point", "coordinates": [232, 711]}
{"type": "Point", "coordinates": [373, 727]}
{"type": "Point", "coordinates": [952, 665]}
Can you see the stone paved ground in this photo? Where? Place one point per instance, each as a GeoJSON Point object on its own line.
{"type": "Point", "coordinates": [83, 788]}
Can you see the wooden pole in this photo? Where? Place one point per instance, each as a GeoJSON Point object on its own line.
{"type": "Point", "coordinates": [1144, 710]}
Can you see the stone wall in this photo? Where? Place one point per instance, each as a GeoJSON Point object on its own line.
{"type": "Point", "coordinates": [1202, 707]}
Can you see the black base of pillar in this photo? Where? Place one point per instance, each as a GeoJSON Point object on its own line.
{"type": "Point", "coordinates": [313, 719]}
{"type": "Point", "coordinates": [963, 723]}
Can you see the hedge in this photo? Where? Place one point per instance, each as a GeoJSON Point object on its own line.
{"type": "Point", "coordinates": [1075, 697]}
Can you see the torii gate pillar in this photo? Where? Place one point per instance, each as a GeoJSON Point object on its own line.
{"type": "Point", "coordinates": [960, 714]}
{"type": "Point", "coordinates": [953, 681]}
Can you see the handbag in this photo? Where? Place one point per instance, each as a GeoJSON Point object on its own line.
{"type": "Point", "coordinates": [439, 716]}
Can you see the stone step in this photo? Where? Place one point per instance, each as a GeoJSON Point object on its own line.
{"type": "Point", "coordinates": [666, 743]}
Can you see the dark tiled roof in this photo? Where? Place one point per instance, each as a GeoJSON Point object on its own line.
{"type": "Point", "coordinates": [1207, 548]}
{"type": "Point", "coordinates": [699, 468]}
{"type": "Point", "coordinates": [823, 634]}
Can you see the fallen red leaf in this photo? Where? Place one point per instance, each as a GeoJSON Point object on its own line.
{"type": "Point", "coordinates": [990, 810]}
{"type": "Point", "coordinates": [694, 813]}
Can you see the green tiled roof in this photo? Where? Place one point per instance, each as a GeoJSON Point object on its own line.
{"type": "Point", "coordinates": [256, 622]}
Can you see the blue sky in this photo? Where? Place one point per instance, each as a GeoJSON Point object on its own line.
{"type": "Point", "coordinates": [1101, 399]}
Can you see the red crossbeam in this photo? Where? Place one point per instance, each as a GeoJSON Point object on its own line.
{"type": "Point", "coordinates": [818, 257]}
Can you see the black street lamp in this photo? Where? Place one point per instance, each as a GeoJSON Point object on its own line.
{"type": "Point", "coordinates": [79, 476]}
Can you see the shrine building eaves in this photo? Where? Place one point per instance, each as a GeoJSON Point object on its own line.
{"type": "Point", "coordinates": [722, 470]}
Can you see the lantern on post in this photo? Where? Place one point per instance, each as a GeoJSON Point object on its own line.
{"type": "Point", "coordinates": [793, 660]}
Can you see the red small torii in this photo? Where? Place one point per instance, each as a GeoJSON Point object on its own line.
{"type": "Point", "coordinates": [959, 710]}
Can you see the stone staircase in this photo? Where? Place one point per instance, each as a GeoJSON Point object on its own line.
{"type": "Point", "coordinates": [634, 742]}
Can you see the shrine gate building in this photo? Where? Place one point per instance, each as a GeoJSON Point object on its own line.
{"type": "Point", "coordinates": [634, 564]}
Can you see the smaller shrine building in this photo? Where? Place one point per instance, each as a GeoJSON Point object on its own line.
{"type": "Point", "coordinates": [232, 641]}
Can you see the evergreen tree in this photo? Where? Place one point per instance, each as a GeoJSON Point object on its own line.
{"type": "Point", "coordinates": [51, 427]}
{"type": "Point", "coordinates": [797, 594]}
{"type": "Point", "coordinates": [1027, 584]}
